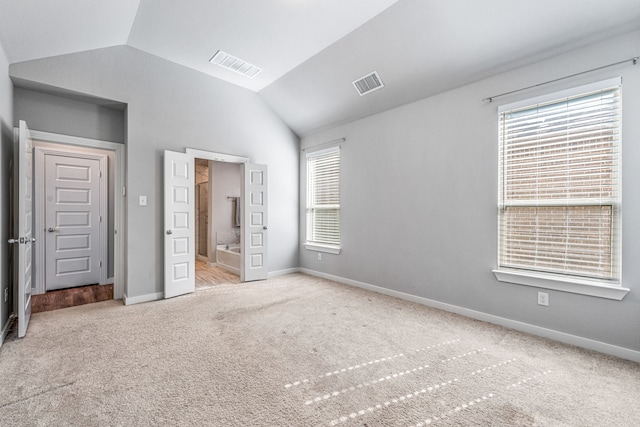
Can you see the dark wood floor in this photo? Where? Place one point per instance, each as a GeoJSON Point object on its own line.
{"type": "Point", "coordinates": [71, 297]}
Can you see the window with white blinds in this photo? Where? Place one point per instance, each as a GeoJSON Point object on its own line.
{"type": "Point", "coordinates": [559, 196]}
{"type": "Point", "coordinates": [323, 197]}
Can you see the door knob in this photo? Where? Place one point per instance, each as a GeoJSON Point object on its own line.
{"type": "Point", "coordinates": [264, 228]}
{"type": "Point", "coordinates": [169, 232]}
{"type": "Point", "coordinates": [51, 229]}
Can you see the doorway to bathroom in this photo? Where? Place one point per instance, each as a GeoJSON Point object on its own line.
{"type": "Point", "coordinates": [180, 249]}
{"type": "Point", "coordinates": [217, 222]}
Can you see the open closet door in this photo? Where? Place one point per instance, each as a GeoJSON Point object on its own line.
{"type": "Point", "coordinates": [23, 225]}
{"type": "Point", "coordinates": [254, 223]}
{"type": "Point", "coordinates": [179, 229]}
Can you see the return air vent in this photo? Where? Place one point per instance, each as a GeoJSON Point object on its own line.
{"type": "Point", "coordinates": [232, 63]}
{"type": "Point", "coordinates": [368, 83]}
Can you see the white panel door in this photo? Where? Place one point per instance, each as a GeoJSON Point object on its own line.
{"type": "Point", "coordinates": [23, 226]}
{"type": "Point", "coordinates": [179, 228]}
{"type": "Point", "coordinates": [72, 222]}
{"type": "Point", "coordinates": [254, 223]}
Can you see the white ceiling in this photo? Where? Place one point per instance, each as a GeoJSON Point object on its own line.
{"type": "Point", "coordinates": [275, 35]}
{"type": "Point", "coordinates": [311, 50]}
{"type": "Point", "coordinates": [32, 29]}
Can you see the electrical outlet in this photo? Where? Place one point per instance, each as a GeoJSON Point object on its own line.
{"type": "Point", "coordinates": [319, 256]}
{"type": "Point", "coordinates": [543, 299]}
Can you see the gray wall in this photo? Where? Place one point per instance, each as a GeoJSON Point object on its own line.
{"type": "Point", "coordinates": [6, 153]}
{"type": "Point", "coordinates": [225, 178]}
{"type": "Point", "coordinates": [419, 200]}
{"type": "Point", "coordinates": [170, 107]}
{"type": "Point", "coordinates": [57, 114]}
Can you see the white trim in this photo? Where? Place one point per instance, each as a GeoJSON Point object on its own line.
{"type": "Point", "coordinates": [227, 158]}
{"type": "Point", "coordinates": [142, 298]}
{"type": "Point", "coordinates": [5, 330]}
{"type": "Point", "coordinates": [599, 346]}
{"type": "Point", "coordinates": [283, 272]}
{"type": "Point", "coordinates": [559, 95]}
{"type": "Point", "coordinates": [316, 147]}
{"type": "Point", "coordinates": [575, 285]}
{"type": "Point", "coordinates": [322, 248]}
{"type": "Point", "coordinates": [322, 151]}
{"type": "Point", "coordinates": [119, 246]}
{"type": "Point", "coordinates": [218, 157]}
{"type": "Point", "coordinates": [40, 179]}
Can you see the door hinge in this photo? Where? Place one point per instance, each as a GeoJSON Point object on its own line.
{"type": "Point", "coordinates": [100, 218]}
{"type": "Point", "coordinates": [100, 174]}
{"type": "Point", "coordinates": [100, 264]}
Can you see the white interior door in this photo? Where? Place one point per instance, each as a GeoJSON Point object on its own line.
{"type": "Point", "coordinates": [179, 227]}
{"type": "Point", "coordinates": [254, 223]}
{"type": "Point", "coordinates": [72, 221]}
{"type": "Point", "coordinates": [23, 226]}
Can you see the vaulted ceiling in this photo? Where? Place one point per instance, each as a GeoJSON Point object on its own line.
{"type": "Point", "coordinates": [310, 51]}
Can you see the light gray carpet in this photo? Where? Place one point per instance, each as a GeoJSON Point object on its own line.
{"type": "Point", "coordinates": [301, 351]}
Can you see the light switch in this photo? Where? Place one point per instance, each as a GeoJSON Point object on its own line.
{"type": "Point", "coordinates": [142, 200]}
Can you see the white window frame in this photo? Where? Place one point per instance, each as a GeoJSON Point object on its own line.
{"type": "Point", "coordinates": [567, 283]}
{"type": "Point", "coordinates": [308, 244]}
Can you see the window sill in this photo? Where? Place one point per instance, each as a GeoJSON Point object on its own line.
{"type": "Point", "coordinates": [323, 248]}
{"type": "Point", "coordinates": [574, 285]}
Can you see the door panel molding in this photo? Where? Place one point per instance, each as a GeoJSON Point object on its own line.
{"type": "Point", "coordinates": [75, 144]}
{"type": "Point", "coordinates": [254, 227]}
{"type": "Point", "coordinates": [179, 215]}
{"type": "Point", "coordinates": [254, 243]}
{"type": "Point", "coordinates": [81, 174]}
{"type": "Point", "coordinates": [41, 154]}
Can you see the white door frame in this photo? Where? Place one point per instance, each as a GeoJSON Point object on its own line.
{"type": "Point", "coordinates": [119, 246]}
{"type": "Point", "coordinates": [40, 182]}
{"type": "Point", "coordinates": [217, 157]}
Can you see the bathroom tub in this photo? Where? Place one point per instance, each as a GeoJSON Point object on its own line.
{"type": "Point", "coordinates": [228, 257]}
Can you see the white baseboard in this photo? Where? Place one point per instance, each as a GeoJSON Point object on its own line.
{"type": "Point", "coordinates": [283, 272]}
{"type": "Point", "coordinates": [601, 347]}
{"type": "Point", "coordinates": [142, 298]}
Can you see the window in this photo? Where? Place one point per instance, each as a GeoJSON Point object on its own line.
{"type": "Point", "coordinates": [323, 200]}
{"type": "Point", "coordinates": [559, 195]}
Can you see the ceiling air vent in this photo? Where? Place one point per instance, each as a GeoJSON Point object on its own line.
{"type": "Point", "coordinates": [232, 63]}
{"type": "Point", "coordinates": [368, 83]}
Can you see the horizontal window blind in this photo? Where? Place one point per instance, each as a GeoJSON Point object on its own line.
{"type": "Point", "coordinates": [560, 185]}
{"type": "Point", "coordinates": [323, 197]}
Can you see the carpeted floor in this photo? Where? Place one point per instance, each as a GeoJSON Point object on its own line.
{"type": "Point", "coordinates": [300, 351]}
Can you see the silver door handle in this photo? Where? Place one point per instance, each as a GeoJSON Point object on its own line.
{"type": "Point", "coordinates": [169, 232]}
{"type": "Point", "coordinates": [21, 240]}
{"type": "Point", "coordinates": [51, 229]}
